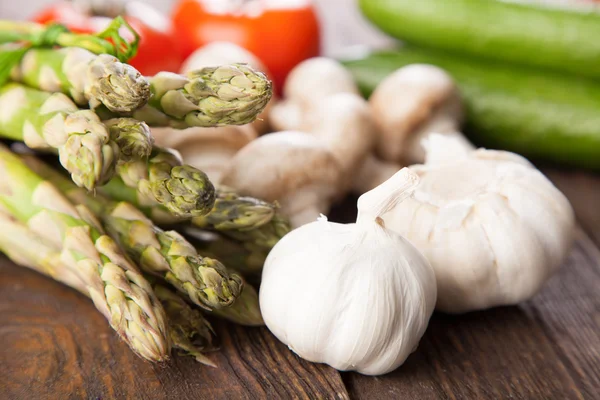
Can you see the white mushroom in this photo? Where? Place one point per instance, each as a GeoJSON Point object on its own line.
{"type": "Point", "coordinates": [322, 98]}
{"type": "Point", "coordinates": [343, 123]}
{"type": "Point", "coordinates": [410, 104]}
{"type": "Point", "coordinates": [208, 149]}
{"type": "Point", "coordinates": [293, 168]}
{"type": "Point", "coordinates": [217, 53]}
{"type": "Point", "coordinates": [315, 78]}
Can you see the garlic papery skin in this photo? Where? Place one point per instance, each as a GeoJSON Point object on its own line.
{"type": "Point", "coordinates": [354, 296]}
{"type": "Point", "coordinates": [493, 227]}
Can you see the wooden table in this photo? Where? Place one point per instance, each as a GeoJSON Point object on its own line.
{"type": "Point", "coordinates": [55, 345]}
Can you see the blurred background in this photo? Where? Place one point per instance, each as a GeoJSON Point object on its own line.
{"type": "Point", "coordinates": [341, 21]}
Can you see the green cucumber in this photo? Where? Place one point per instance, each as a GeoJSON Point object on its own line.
{"type": "Point", "coordinates": [559, 39]}
{"type": "Point", "coordinates": [539, 114]}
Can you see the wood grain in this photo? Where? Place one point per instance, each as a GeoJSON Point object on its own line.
{"type": "Point", "coordinates": [55, 345]}
{"type": "Point", "coordinates": [547, 348]}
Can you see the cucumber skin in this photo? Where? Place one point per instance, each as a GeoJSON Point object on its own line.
{"type": "Point", "coordinates": [541, 115]}
{"type": "Point", "coordinates": [557, 39]}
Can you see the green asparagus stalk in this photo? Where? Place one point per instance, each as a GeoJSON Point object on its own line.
{"type": "Point", "coordinates": [114, 284]}
{"type": "Point", "coordinates": [26, 248]}
{"type": "Point", "coordinates": [212, 96]}
{"type": "Point", "coordinates": [52, 121]}
{"type": "Point", "coordinates": [88, 78]}
{"type": "Point", "coordinates": [189, 331]}
{"type": "Point", "coordinates": [230, 252]}
{"type": "Point", "coordinates": [229, 212]}
{"type": "Point", "coordinates": [164, 180]}
{"type": "Point", "coordinates": [234, 212]}
{"type": "Point", "coordinates": [265, 237]}
{"type": "Point", "coordinates": [166, 255]}
{"type": "Point", "coordinates": [245, 310]}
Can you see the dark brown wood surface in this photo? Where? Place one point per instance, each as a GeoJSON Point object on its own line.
{"type": "Point", "coordinates": [55, 345]}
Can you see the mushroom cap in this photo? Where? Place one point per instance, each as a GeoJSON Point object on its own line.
{"type": "Point", "coordinates": [277, 165]}
{"type": "Point", "coordinates": [230, 136]}
{"type": "Point", "coordinates": [316, 78]}
{"type": "Point", "coordinates": [343, 122]}
{"type": "Point", "coordinates": [218, 53]}
{"type": "Point", "coordinates": [406, 100]}
{"type": "Point", "coordinates": [208, 149]}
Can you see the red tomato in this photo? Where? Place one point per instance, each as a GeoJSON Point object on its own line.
{"type": "Point", "coordinates": [157, 51]}
{"type": "Point", "coordinates": [280, 37]}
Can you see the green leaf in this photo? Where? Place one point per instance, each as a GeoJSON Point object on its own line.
{"type": "Point", "coordinates": [8, 59]}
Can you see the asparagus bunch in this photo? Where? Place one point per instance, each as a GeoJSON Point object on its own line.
{"type": "Point", "coordinates": [212, 96]}
{"type": "Point", "coordinates": [188, 330]}
{"type": "Point", "coordinates": [114, 284]}
{"type": "Point", "coordinates": [166, 255]}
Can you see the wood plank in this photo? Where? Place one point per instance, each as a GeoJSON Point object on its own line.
{"type": "Point", "coordinates": [56, 345]}
{"type": "Point", "coordinates": [547, 348]}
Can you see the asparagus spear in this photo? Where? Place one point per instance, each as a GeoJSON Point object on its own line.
{"type": "Point", "coordinates": [229, 212]}
{"type": "Point", "coordinates": [245, 310]}
{"type": "Point", "coordinates": [189, 331]}
{"type": "Point", "coordinates": [164, 254]}
{"type": "Point", "coordinates": [53, 121]}
{"type": "Point", "coordinates": [114, 284]}
{"type": "Point", "coordinates": [212, 96]}
{"type": "Point", "coordinates": [229, 251]}
{"type": "Point", "coordinates": [133, 138]}
{"type": "Point", "coordinates": [232, 211]}
{"type": "Point", "coordinates": [164, 180]}
{"type": "Point", "coordinates": [86, 77]}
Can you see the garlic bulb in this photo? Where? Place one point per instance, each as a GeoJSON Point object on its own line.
{"type": "Point", "coordinates": [354, 296]}
{"type": "Point", "coordinates": [493, 227]}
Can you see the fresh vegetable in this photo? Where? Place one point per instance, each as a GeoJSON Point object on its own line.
{"type": "Point", "coordinates": [355, 296]}
{"type": "Point", "coordinates": [493, 227]}
{"type": "Point", "coordinates": [85, 77]}
{"type": "Point", "coordinates": [188, 330]}
{"type": "Point", "coordinates": [168, 255]}
{"type": "Point", "coordinates": [162, 179]}
{"type": "Point", "coordinates": [115, 285]}
{"type": "Point", "coordinates": [132, 137]}
{"type": "Point", "coordinates": [312, 79]}
{"type": "Point", "coordinates": [556, 38]}
{"type": "Point", "coordinates": [229, 212]}
{"type": "Point", "coordinates": [425, 99]}
{"type": "Point", "coordinates": [158, 47]}
{"type": "Point", "coordinates": [234, 212]}
{"type": "Point", "coordinates": [343, 123]}
{"type": "Point", "coordinates": [280, 35]}
{"type": "Point", "coordinates": [313, 89]}
{"type": "Point", "coordinates": [537, 114]}
{"type": "Point", "coordinates": [52, 121]}
{"type": "Point", "coordinates": [296, 170]}
{"type": "Point", "coordinates": [232, 253]}
{"type": "Point", "coordinates": [208, 149]}
{"type": "Point", "coordinates": [245, 310]}
{"type": "Point", "coordinates": [213, 96]}
{"type": "Point", "coordinates": [164, 254]}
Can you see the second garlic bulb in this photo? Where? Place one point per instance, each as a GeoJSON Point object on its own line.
{"type": "Point", "coordinates": [492, 226]}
